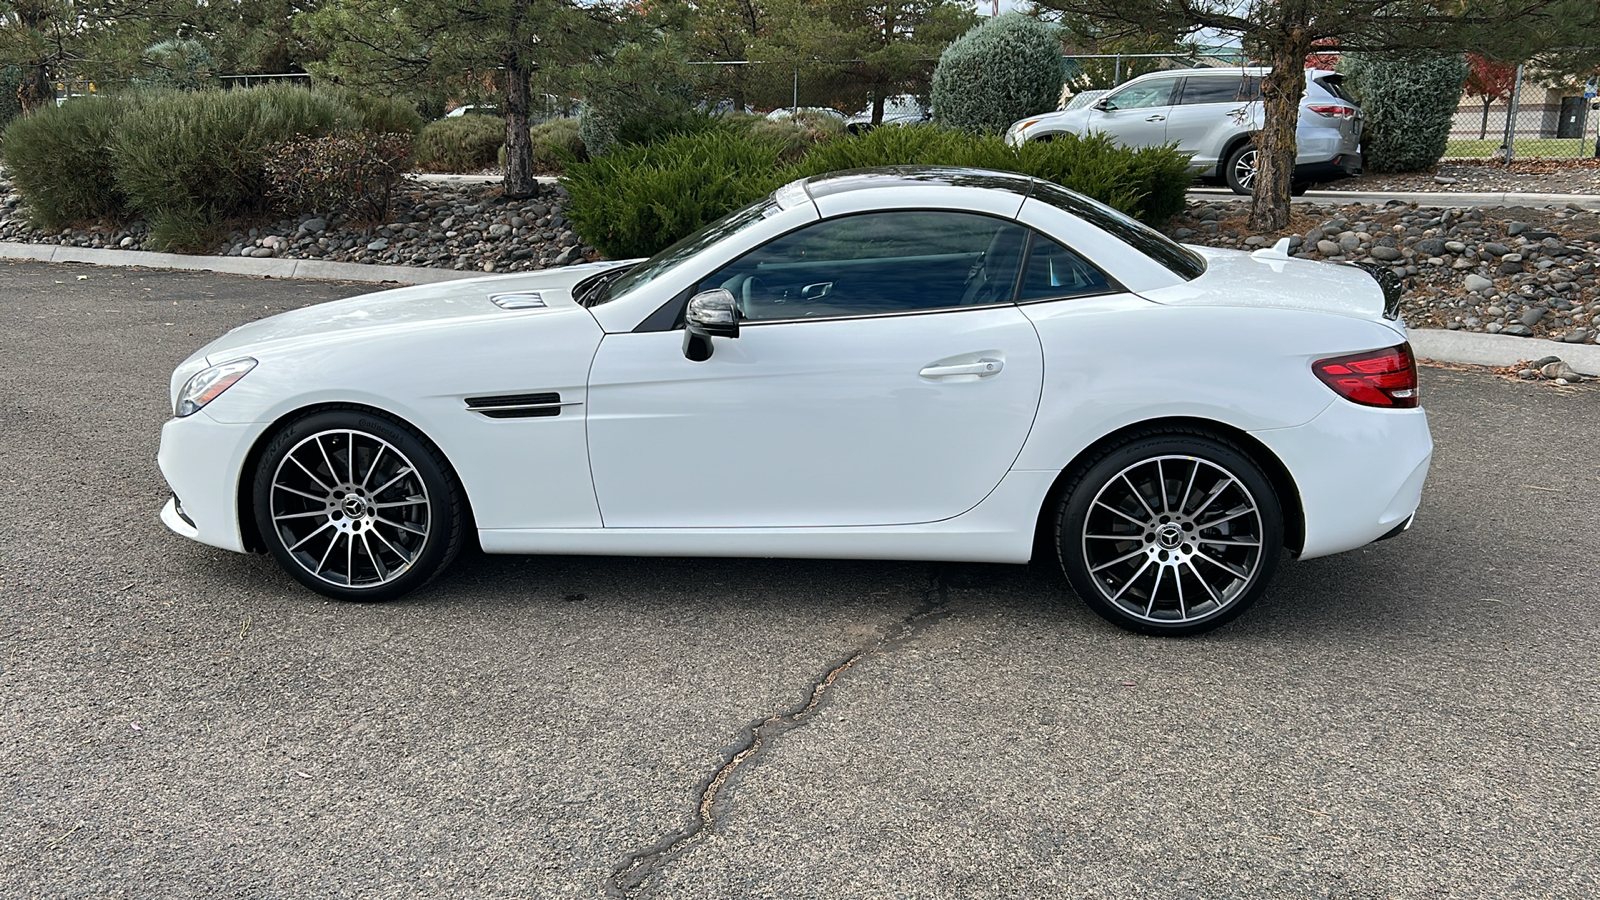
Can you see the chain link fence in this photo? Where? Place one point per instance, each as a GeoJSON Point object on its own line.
{"type": "Point", "coordinates": [1525, 115]}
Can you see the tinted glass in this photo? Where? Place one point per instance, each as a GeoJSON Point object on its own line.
{"type": "Point", "coordinates": [1183, 262]}
{"type": "Point", "coordinates": [877, 263]}
{"type": "Point", "coordinates": [1211, 89]}
{"type": "Point", "coordinates": [1251, 90]}
{"type": "Point", "coordinates": [1145, 94]}
{"type": "Point", "coordinates": [1334, 85]}
{"type": "Point", "coordinates": [1054, 271]}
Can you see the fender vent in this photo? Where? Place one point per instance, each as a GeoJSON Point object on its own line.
{"type": "Point", "coordinates": [517, 406]}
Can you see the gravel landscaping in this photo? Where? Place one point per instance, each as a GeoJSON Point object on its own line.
{"type": "Point", "coordinates": [449, 226]}
{"type": "Point", "coordinates": [1530, 176]}
{"type": "Point", "coordinates": [1516, 271]}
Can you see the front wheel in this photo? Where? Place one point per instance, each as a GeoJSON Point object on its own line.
{"type": "Point", "coordinates": [356, 506]}
{"type": "Point", "coordinates": [1170, 534]}
{"type": "Point", "coordinates": [1240, 170]}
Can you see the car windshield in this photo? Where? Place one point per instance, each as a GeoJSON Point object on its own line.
{"type": "Point", "coordinates": [1183, 262]}
{"type": "Point", "coordinates": [683, 250]}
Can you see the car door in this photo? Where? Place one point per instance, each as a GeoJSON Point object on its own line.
{"type": "Point", "coordinates": [882, 375]}
{"type": "Point", "coordinates": [1211, 109]}
{"type": "Point", "coordinates": [1135, 114]}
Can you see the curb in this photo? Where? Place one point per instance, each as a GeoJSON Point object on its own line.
{"type": "Point", "coordinates": [472, 179]}
{"type": "Point", "coordinates": [1439, 199]}
{"type": "Point", "coordinates": [271, 267]}
{"type": "Point", "coordinates": [1474, 349]}
{"type": "Point", "coordinates": [1463, 347]}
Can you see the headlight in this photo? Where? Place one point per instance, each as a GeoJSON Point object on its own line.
{"type": "Point", "coordinates": [208, 384]}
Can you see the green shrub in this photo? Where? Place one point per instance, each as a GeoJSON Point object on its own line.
{"type": "Point", "coordinates": [640, 198]}
{"type": "Point", "coordinates": [1000, 71]}
{"type": "Point", "coordinates": [794, 137]}
{"type": "Point", "coordinates": [1148, 184]}
{"type": "Point", "coordinates": [60, 159]}
{"type": "Point", "coordinates": [460, 144]}
{"type": "Point", "coordinates": [1408, 103]}
{"type": "Point", "coordinates": [377, 114]}
{"type": "Point", "coordinates": [640, 95]}
{"type": "Point", "coordinates": [198, 158]}
{"type": "Point", "coordinates": [354, 171]}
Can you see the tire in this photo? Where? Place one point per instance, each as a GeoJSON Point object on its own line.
{"type": "Point", "coordinates": [1240, 169]}
{"type": "Point", "coordinates": [1177, 561]}
{"type": "Point", "coordinates": [369, 525]}
{"type": "Point", "coordinates": [1299, 188]}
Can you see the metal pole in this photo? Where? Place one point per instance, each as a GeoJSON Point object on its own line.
{"type": "Point", "coordinates": [1118, 79]}
{"type": "Point", "coordinates": [1511, 118]}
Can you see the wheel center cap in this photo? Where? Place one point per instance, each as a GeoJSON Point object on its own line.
{"type": "Point", "coordinates": [354, 507]}
{"type": "Point", "coordinates": [1170, 536]}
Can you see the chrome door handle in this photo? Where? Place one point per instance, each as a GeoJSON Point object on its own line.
{"type": "Point", "coordinates": [1156, 119]}
{"type": "Point", "coordinates": [981, 368]}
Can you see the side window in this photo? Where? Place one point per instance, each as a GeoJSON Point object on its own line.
{"type": "Point", "coordinates": [1145, 94]}
{"type": "Point", "coordinates": [877, 263]}
{"type": "Point", "coordinates": [1054, 272]}
{"type": "Point", "coordinates": [1211, 89]}
{"type": "Point", "coordinates": [1251, 91]}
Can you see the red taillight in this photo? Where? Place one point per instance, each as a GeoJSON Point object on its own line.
{"type": "Point", "coordinates": [1333, 111]}
{"type": "Point", "coordinates": [1386, 378]}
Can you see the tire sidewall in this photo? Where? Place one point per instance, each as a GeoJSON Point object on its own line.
{"type": "Point", "coordinates": [444, 499]}
{"type": "Point", "coordinates": [1228, 169]}
{"type": "Point", "coordinates": [1074, 511]}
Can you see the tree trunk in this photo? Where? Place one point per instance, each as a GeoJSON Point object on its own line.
{"type": "Point", "coordinates": [1483, 130]}
{"type": "Point", "coordinates": [36, 92]}
{"type": "Point", "coordinates": [521, 182]}
{"type": "Point", "coordinates": [877, 104]}
{"type": "Point", "coordinates": [1275, 142]}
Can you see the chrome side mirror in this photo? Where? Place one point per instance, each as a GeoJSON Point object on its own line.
{"type": "Point", "coordinates": [712, 313]}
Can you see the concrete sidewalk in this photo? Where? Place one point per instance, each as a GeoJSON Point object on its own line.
{"type": "Point", "coordinates": [1467, 348]}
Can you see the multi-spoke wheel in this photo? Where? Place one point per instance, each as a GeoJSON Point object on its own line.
{"type": "Point", "coordinates": [1170, 534]}
{"type": "Point", "coordinates": [1240, 170]}
{"type": "Point", "coordinates": [355, 506]}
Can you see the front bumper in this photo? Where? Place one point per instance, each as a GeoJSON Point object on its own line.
{"type": "Point", "coordinates": [201, 459]}
{"type": "Point", "coordinates": [1359, 472]}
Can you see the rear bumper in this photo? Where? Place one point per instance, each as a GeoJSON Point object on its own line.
{"type": "Point", "coordinates": [1345, 165]}
{"type": "Point", "coordinates": [1359, 472]}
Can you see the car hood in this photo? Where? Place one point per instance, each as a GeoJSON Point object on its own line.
{"type": "Point", "coordinates": [1268, 279]}
{"type": "Point", "coordinates": [1074, 120]}
{"type": "Point", "coordinates": [420, 306]}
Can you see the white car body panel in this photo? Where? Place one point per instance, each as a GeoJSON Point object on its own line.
{"type": "Point", "coordinates": [836, 410]}
{"type": "Point", "coordinates": [822, 437]}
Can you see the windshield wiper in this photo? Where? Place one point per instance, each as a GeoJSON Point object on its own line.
{"type": "Point", "coordinates": [596, 289]}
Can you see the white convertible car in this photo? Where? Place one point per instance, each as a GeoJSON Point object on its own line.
{"type": "Point", "coordinates": [925, 363]}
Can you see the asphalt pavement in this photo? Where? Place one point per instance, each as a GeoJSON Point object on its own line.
{"type": "Point", "coordinates": [1420, 718]}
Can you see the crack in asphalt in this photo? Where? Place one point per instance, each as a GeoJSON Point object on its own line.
{"type": "Point", "coordinates": [631, 877]}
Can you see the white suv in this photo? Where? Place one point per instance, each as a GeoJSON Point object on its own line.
{"type": "Point", "coordinates": [1213, 114]}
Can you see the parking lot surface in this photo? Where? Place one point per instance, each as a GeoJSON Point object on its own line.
{"type": "Point", "coordinates": [1420, 718]}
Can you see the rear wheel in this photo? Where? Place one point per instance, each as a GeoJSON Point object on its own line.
{"type": "Point", "coordinates": [1170, 534]}
{"type": "Point", "coordinates": [1240, 169]}
{"type": "Point", "coordinates": [356, 506]}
